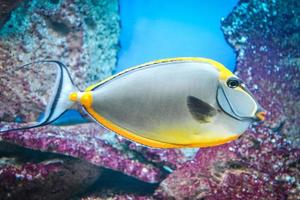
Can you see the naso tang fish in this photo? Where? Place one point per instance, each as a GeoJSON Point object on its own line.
{"type": "Point", "coordinates": [169, 103]}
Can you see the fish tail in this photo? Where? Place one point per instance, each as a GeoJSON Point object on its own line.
{"type": "Point", "coordinates": [60, 100]}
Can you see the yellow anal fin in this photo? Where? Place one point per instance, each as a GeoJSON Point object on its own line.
{"type": "Point", "coordinates": [127, 134]}
{"type": "Point", "coordinates": [149, 142]}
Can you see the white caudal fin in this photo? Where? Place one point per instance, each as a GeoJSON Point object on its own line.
{"type": "Point", "coordinates": [59, 100]}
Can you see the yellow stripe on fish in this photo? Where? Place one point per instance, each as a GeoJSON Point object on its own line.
{"type": "Point", "coordinates": [223, 75]}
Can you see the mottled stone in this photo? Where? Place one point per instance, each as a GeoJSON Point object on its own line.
{"type": "Point", "coordinates": [119, 197]}
{"type": "Point", "coordinates": [255, 167]}
{"type": "Point", "coordinates": [268, 58]}
{"type": "Point", "coordinates": [96, 145]}
{"type": "Point", "coordinates": [86, 142]}
{"type": "Point", "coordinates": [81, 34]}
{"type": "Point", "coordinates": [6, 7]}
{"type": "Point", "coordinates": [264, 162]}
{"type": "Point", "coordinates": [54, 179]}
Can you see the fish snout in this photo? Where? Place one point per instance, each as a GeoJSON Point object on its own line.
{"type": "Point", "coordinates": [260, 114]}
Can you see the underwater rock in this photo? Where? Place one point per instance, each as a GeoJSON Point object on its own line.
{"type": "Point", "coordinates": [114, 185]}
{"type": "Point", "coordinates": [81, 34]}
{"type": "Point", "coordinates": [119, 197]}
{"type": "Point", "coordinates": [52, 179]}
{"type": "Point", "coordinates": [100, 147]}
{"type": "Point", "coordinates": [264, 162]}
{"type": "Point", "coordinates": [84, 36]}
{"type": "Point", "coordinates": [85, 142]}
{"type": "Point", "coordinates": [268, 58]}
{"type": "Point", "coordinates": [257, 166]}
{"type": "Point", "coordinates": [6, 6]}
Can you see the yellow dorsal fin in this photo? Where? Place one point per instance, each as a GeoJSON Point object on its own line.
{"type": "Point", "coordinates": [224, 72]}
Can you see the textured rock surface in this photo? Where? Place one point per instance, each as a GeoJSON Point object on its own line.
{"type": "Point", "coordinates": [266, 42]}
{"type": "Point", "coordinates": [264, 162]}
{"type": "Point", "coordinates": [45, 178]}
{"type": "Point", "coordinates": [6, 6]}
{"type": "Point", "coordinates": [254, 167]}
{"type": "Point", "coordinates": [86, 142]}
{"type": "Point", "coordinates": [120, 197]}
{"type": "Point", "coordinates": [81, 34]}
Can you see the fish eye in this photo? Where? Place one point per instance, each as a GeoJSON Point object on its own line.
{"type": "Point", "coordinates": [233, 82]}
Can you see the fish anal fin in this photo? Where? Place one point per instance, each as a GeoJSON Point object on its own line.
{"type": "Point", "coordinates": [200, 110]}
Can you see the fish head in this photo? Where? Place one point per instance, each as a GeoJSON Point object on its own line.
{"type": "Point", "coordinates": [237, 101]}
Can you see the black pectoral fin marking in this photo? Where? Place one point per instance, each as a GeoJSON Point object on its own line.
{"type": "Point", "coordinates": [200, 110]}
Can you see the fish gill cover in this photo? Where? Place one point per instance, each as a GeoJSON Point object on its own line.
{"type": "Point", "coordinates": [61, 162]}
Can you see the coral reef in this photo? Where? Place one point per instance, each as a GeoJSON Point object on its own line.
{"type": "Point", "coordinates": [264, 162]}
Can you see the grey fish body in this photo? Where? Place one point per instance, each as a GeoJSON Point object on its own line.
{"type": "Point", "coordinates": [152, 102]}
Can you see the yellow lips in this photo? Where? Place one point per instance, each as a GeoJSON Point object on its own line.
{"type": "Point", "coordinates": [261, 115]}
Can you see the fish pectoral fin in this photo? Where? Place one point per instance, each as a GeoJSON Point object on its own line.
{"type": "Point", "coordinates": [200, 110]}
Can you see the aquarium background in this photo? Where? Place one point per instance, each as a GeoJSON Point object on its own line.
{"type": "Point", "coordinates": [95, 39]}
{"type": "Point", "coordinates": [155, 29]}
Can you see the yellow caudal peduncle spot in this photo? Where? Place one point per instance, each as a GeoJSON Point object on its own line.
{"type": "Point", "coordinates": [73, 96]}
{"type": "Point", "coordinates": [86, 99]}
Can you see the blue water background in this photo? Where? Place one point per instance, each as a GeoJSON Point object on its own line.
{"type": "Point", "coordinates": [156, 29]}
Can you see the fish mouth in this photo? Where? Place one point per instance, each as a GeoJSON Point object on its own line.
{"type": "Point", "coordinates": [261, 115]}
